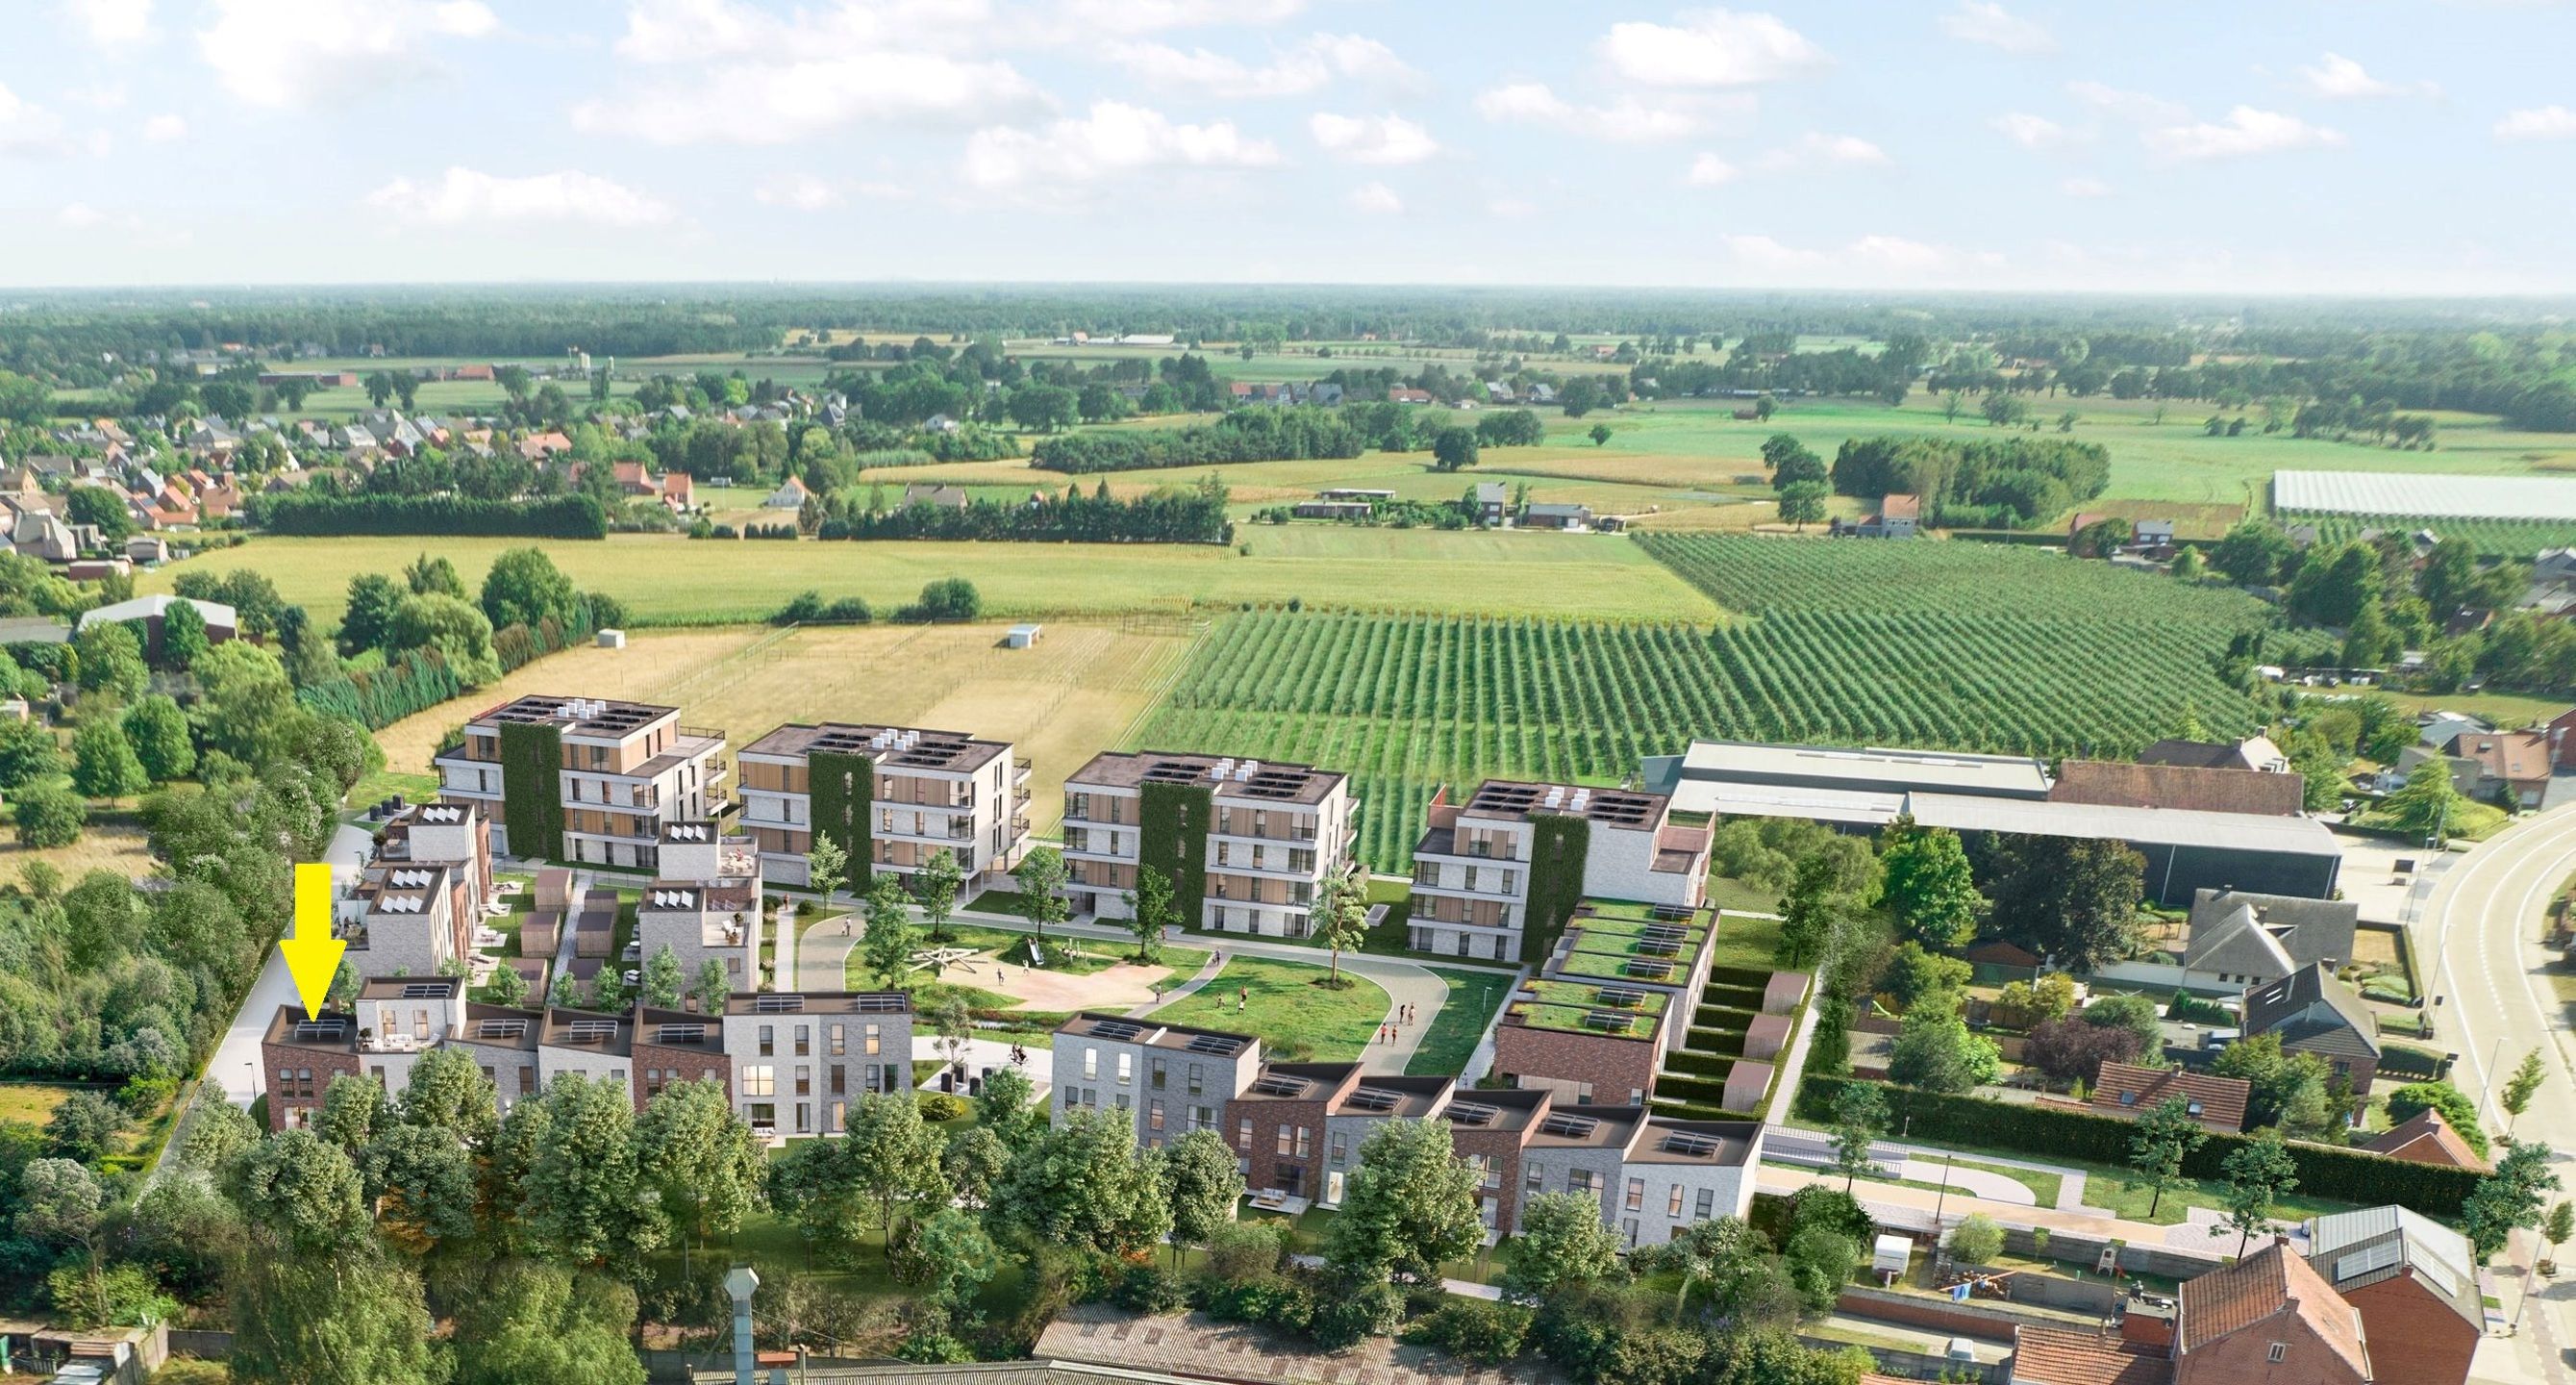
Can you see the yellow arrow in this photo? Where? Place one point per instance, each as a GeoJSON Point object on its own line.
{"type": "Point", "coordinates": [312, 954]}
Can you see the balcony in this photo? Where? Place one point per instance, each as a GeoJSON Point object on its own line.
{"type": "Point", "coordinates": [1019, 826]}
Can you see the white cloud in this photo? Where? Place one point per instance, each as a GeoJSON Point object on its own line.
{"type": "Point", "coordinates": [1381, 139]}
{"type": "Point", "coordinates": [161, 129]}
{"type": "Point", "coordinates": [465, 195]}
{"type": "Point", "coordinates": [1094, 17]}
{"type": "Point", "coordinates": [1872, 258]}
{"type": "Point", "coordinates": [111, 23]}
{"type": "Point", "coordinates": [779, 103]}
{"type": "Point", "coordinates": [2245, 131]}
{"type": "Point", "coordinates": [80, 216]}
{"type": "Point", "coordinates": [1819, 150]}
{"type": "Point", "coordinates": [279, 53]}
{"type": "Point", "coordinates": [2128, 105]}
{"type": "Point", "coordinates": [2034, 131]}
{"type": "Point", "coordinates": [697, 31]}
{"type": "Point", "coordinates": [1709, 48]}
{"type": "Point", "coordinates": [27, 128]}
{"type": "Point", "coordinates": [2337, 77]}
{"type": "Point", "coordinates": [1708, 171]}
{"type": "Point", "coordinates": [2085, 187]}
{"type": "Point", "coordinates": [1626, 121]}
{"type": "Point", "coordinates": [801, 191]}
{"type": "Point", "coordinates": [1376, 199]}
{"type": "Point", "coordinates": [2540, 122]}
{"type": "Point", "coordinates": [1308, 67]}
{"type": "Point", "coordinates": [1981, 21]}
{"type": "Point", "coordinates": [1112, 140]}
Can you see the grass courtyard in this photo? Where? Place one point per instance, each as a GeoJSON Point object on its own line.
{"type": "Point", "coordinates": [1296, 1015]}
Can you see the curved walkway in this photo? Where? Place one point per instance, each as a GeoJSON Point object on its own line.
{"type": "Point", "coordinates": [823, 965]}
{"type": "Point", "coordinates": [1991, 1187]}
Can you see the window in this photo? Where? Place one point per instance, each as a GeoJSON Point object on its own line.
{"type": "Point", "coordinates": [840, 1115]}
{"type": "Point", "coordinates": [840, 1079]}
{"type": "Point", "coordinates": [1636, 1195]}
{"type": "Point", "coordinates": [804, 1040]}
{"type": "Point", "coordinates": [1533, 1179]}
{"type": "Point", "coordinates": [1126, 1069]}
{"type": "Point", "coordinates": [1304, 1147]}
{"type": "Point", "coordinates": [804, 1080]}
{"type": "Point", "coordinates": [2277, 1352]}
{"type": "Point", "coordinates": [1706, 1206]}
{"type": "Point", "coordinates": [873, 1040]}
{"type": "Point", "coordinates": [1580, 1181]}
{"type": "Point", "coordinates": [1243, 1138]}
{"type": "Point", "coordinates": [1154, 1113]}
{"type": "Point", "coordinates": [1284, 1142]}
{"type": "Point", "coordinates": [1673, 1207]}
{"type": "Point", "coordinates": [1091, 1063]}
{"type": "Point", "coordinates": [840, 1043]}
{"type": "Point", "coordinates": [1197, 1077]}
{"type": "Point", "coordinates": [1159, 1072]}
{"type": "Point", "coordinates": [1202, 1118]}
{"type": "Point", "coordinates": [1339, 1139]}
{"type": "Point", "coordinates": [768, 1040]}
{"type": "Point", "coordinates": [760, 1079]}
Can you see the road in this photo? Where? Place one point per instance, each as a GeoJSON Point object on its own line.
{"type": "Point", "coordinates": [2482, 922]}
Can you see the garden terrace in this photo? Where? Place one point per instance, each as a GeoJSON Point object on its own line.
{"type": "Point", "coordinates": [1632, 963]}
{"type": "Point", "coordinates": [1578, 1008]}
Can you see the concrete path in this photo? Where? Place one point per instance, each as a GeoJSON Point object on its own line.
{"type": "Point", "coordinates": [234, 1068]}
{"type": "Point", "coordinates": [1992, 1187]}
{"type": "Point", "coordinates": [1206, 973]}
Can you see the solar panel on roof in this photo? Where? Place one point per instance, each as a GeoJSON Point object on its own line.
{"type": "Point", "coordinates": [310, 1031]}
{"type": "Point", "coordinates": [1281, 1086]}
{"type": "Point", "coordinates": [1696, 1146]}
{"type": "Point", "coordinates": [2368, 1260]}
{"type": "Point", "coordinates": [1472, 1113]}
{"type": "Point", "coordinates": [1376, 1099]}
{"type": "Point", "coordinates": [1659, 947]}
{"type": "Point", "coordinates": [1665, 932]}
{"type": "Point", "coordinates": [1115, 1029]}
{"type": "Point", "coordinates": [1648, 968]}
{"type": "Point", "coordinates": [1215, 1043]}
{"type": "Point", "coordinates": [1570, 1127]}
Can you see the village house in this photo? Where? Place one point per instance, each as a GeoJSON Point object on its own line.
{"type": "Point", "coordinates": [2313, 1012]}
{"type": "Point", "coordinates": [2241, 939]}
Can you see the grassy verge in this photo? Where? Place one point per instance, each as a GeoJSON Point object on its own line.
{"type": "Point", "coordinates": [1286, 1004]}
{"type": "Point", "coordinates": [1451, 1040]}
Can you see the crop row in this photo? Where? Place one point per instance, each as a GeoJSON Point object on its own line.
{"type": "Point", "coordinates": [2518, 539]}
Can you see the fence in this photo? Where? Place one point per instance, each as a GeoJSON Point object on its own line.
{"type": "Point", "coordinates": [1920, 1365]}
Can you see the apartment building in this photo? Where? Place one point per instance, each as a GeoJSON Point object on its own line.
{"type": "Point", "coordinates": [892, 796]}
{"type": "Point", "coordinates": [408, 920]}
{"type": "Point", "coordinates": [799, 1060]}
{"type": "Point", "coordinates": [584, 779]}
{"type": "Point", "coordinates": [673, 1046]}
{"type": "Point", "coordinates": [1480, 863]}
{"type": "Point", "coordinates": [1168, 1079]}
{"type": "Point", "coordinates": [1246, 841]}
{"type": "Point", "coordinates": [704, 903]}
{"type": "Point", "coordinates": [401, 1018]}
{"type": "Point", "coordinates": [455, 834]}
{"type": "Point", "coordinates": [394, 1022]}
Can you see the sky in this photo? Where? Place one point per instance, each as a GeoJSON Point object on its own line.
{"type": "Point", "coordinates": [2266, 146]}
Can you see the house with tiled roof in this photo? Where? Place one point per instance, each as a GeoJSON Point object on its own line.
{"type": "Point", "coordinates": [2186, 787]}
{"type": "Point", "coordinates": [2065, 1356]}
{"type": "Point", "coordinates": [2428, 1139]}
{"type": "Point", "coordinates": [2253, 752]}
{"type": "Point", "coordinates": [2313, 1012]}
{"type": "Point", "coordinates": [2269, 1317]}
{"type": "Point", "coordinates": [2513, 766]}
{"type": "Point", "coordinates": [2239, 938]}
{"type": "Point", "coordinates": [2129, 1091]}
{"type": "Point", "coordinates": [2415, 1283]}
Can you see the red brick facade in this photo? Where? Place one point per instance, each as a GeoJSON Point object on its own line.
{"type": "Point", "coordinates": [1285, 1148]}
{"type": "Point", "coordinates": [295, 1077]}
{"type": "Point", "coordinates": [2414, 1336]}
{"type": "Point", "coordinates": [658, 1066]}
{"type": "Point", "coordinates": [1618, 1071]}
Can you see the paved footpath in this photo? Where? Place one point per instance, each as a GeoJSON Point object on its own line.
{"type": "Point", "coordinates": [823, 963]}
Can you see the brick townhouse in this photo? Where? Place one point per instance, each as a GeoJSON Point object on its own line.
{"type": "Point", "coordinates": [2269, 1318]}
{"type": "Point", "coordinates": [891, 796]}
{"type": "Point", "coordinates": [1168, 1079]}
{"type": "Point", "coordinates": [1617, 993]}
{"type": "Point", "coordinates": [1479, 862]}
{"type": "Point", "coordinates": [584, 779]}
{"type": "Point", "coordinates": [1255, 837]}
{"type": "Point", "coordinates": [2414, 1282]}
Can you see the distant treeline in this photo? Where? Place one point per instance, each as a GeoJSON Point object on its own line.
{"type": "Point", "coordinates": [549, 517]}
{"type": "Point", "coordinates": [1247, 435]}
{"type": "Point", "coordinates": [1976, 483]}
{"type": "Point", "coordinates": [1168, 515]}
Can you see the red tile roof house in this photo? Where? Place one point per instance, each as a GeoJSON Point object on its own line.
{"type": "Point", "coordinates": [2415, 1283]}
{"type": "Point", "coordinates": [2129, 1091]}
{"type": "Point", "coordinates": [2269, 1319]}
{"type": "Point", "coordinates": [2065, 1356]}
{"type": "Point", "coordinates": [2428, 1139]}
{"type": "Point", "coordinates": [2512, 765]}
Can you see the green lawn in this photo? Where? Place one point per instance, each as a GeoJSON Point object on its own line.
{"type": "Point", "coordinates": [1295, 1016]}
{"type": "Point", "coordinates": [1474, 996]}
{"type": "Point", "coordinates": [32, 1103]}
{"type": "Point", "coordinates": [1746, 941]}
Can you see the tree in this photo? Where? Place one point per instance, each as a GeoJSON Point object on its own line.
{"type": "Point", "coordinates": [1599, 433]}
{"type": "Point", "coordinates": [49, 816]}
{"type": "Point", "coordinates": [1410, 1205]}
{"type": "Point", "coordinates": [158, 731]}
{"type": "Point", "coordinates": [2518, 1089]}
{"type": "Point", "coordinates": [353, 1319]}
{"type": "Point", "coordinates": [59, 1202]}
{"type": "Point", "coordinates": [183, 636]}
{"type": "Point", "coordinates": [1562, 1243]}
{"type": "Point", "coordinates": [1860, 1117]}
{"type": "Point", "coordinates": [1810, 912]}
{"type": "Point", "coordinates": [2166, 1135]}
{"type": "Point", "coordinates": [936, 886]}
{"type": "Point", "coordinates": [1041, 875]}
{"type": "Point", "coordinates": [1339, 916]}
{"type": "Point", "coordinates": [529, 1321]}
{"type": "Point", "coordinates": [1935, 1052]}
{"type": "Point", "coordinates": [369, 613]}
{"type": "Point", "coordinates": [103, 763]}
{"type": "Point", "coordinates": [2508, 1198]}
{"type": "Point", "coordinates": [422, 1184]}
{"type": "Point", "coordinates": [1912, 972]}
{"type": "Point", "coordinates": [1007, 1108]}
{"type": "Point", "coordinates": [2069, 898]}
{"type": "Point", "coordinates": [712, 986]}
{"type": "Point", "coordinates": [1453, 449]}
{"type": "Point", "coordinates": [663, 979]}
{"type": "Point", "coordinates": [451, 628]}
{"type": "Point", "coordinates": [111, 659]}
{"type": "Point", "coordinates": [449, 1093]}
{"type": "Point", "coordinates": [1201, 1185]}
{"type": "Point", "coordinates": [1725, 1251]}
{"type": "Point", "coordinates": [1150, 910]}
{"type": "Point", "coordinates": [974, 1161]}
{"type": "Point", "coordinates": [956, 1258]}
{"type": "Point", "coordinates": [2425, 806]}
{"type": "Point", "coordinates": [827, 867]}
{"type": "Point", "coordinates": [2258, 1177]}
{"type": "Point", "coordinates": [1929, 886]}
{"type": "Point", "coordinates": [2458, 1111]}
{"type": "Point", "coordinates": [700, 1160]}
{"type": "Point", "coordinates": [2071, 1050]}
{"type": "Point", "coordinates": [524, 587]}
{"type": "Point", "coordinates": [891, 939]}
{"type": "Point", "coordinates": [1976, 1240]}
{"type": "Point", "coordinates": [2252, 553]}
{"type": "Point", "coordinates": [353, 1109]}
{"type": "Point", "coordinates": [29, 754]}
{"type": "Point", "coordinates": [2559, 1228]}
{"type": "Point", "coordinates": [893, 1159]}
{"type": "Point", "coordinates": [1080, 1184]}
{"type": "Point", "coordinates": [1803, 502]}
{"type": "Point", "coordinates": [582, 1198]}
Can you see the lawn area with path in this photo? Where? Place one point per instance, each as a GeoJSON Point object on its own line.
{"type": "Point", "coordinates": [1288, 1005]}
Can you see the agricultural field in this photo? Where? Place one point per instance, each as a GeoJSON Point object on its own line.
{"type": "Point", "coordinates": [1954, 646]}
{"type": "Point", "coordinates": [1079, 692]}
{"type": "Point", "coordinates": [2498, 538]}
{"type": "Point", "coordinates": [669, 580]}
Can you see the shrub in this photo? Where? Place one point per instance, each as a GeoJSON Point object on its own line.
{"type": "Point", "coordinates": [1150, 1289]}
{"type": "Point", "coordinates": [1489, 1334]}
{"type": "Point", "coordinates": [1352, 1313]}
{"type": "Point", "coordinates": [1241, 1252]}
{"type": "Point", "coordinates": [939, 1107]}
{"type": "Point", "coordinates": [1977, 1240]}
{"type": "Point", "coordinates": [2071, 1050]}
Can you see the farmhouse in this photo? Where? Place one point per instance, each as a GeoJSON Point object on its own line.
{"type": "Point", "coordinates": [1483, 864]}
{"type": "Point", "coordinates": [584, 779]}
{"type": "Point", "coordinates": [1554, 516]}
{"type": "Point", "coordinates": [2253, 752]}
{"type": "Point", "coordinates": [2313, 1012]}
{"type": "Point", "coordinates": [790, 495]}
{"type": "Point", "coordinates": [1261, 835]}
{"type": "Point", "coordinates": [2269, 1316]}
{"type": "Point", "coordinates": [1896, 518]}
{"type": "Point", "coordinates": [940, 497]}
{"type": "Point", "coordinates": [893, 797]}
{"type": "Point", "coordinates": [1491, 502]}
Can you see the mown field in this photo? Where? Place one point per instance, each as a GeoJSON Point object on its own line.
{"type": "Point", "coordinates": [668, 580]}
{"type": "Point", "coordinates": [1956, 646]}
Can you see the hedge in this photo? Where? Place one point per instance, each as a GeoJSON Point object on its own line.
{"type": "Point", "coordinates": [2345, 1175]}
{"type": "Point", "coordinates": [1745, 978]}
{"type": "Point", "coordinates": [1724, 1017]}
{"type": "Point", "coordinates": [377, 698]}
{"type": "Point", "coordinates": [1693, 1062]}
{"type": "Point", "coordinates": [2406, 1061]}
{"type": "Point", "coordinates": [1732, 997]}
{"type": "Point", "coordinates": [552, 517]}
{"type": "Point", "coordinates": [1728, 1043]}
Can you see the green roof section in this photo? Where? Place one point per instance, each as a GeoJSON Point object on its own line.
{"type": "Point", "coordinates": [1575, 1007]}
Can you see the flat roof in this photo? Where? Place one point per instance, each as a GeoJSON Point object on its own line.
{"type": "Point", "coordinates": [1669, 1141]}
{"type": "Point", "coordinates": [1228, 777]}
{"type": "Point", "coordinates": [332, 1031]}
{"type": "Point", "coordinates": [773, 1003]}
{"type": "Point", "coordinates": [1520, 799]}
{"type": "Point", "coordinates": [593, 716]}
{"type": "Point", "coordinates": [1769, 801]}
{"type": "Point", "coordinates": [1821, 766]}
{"type": "Point", "coordinates": [2157, 826]}
{"type": "Point", "coordinates": [891, 747]}
{"type": "Point", "coordinates": [596, 1030]}
{"type": "Point", "coordinates": [1119, 1029]}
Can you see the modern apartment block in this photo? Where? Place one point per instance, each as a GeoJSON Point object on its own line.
{"type": "Point", "coordinates": [1297, 1129]}
{"type": "Point", "coordinates": [1485, 866]}
{"type": "Point", "coordinates": [892, 796]}
{"type": "Point", "coordinates": [704, 903]}
{"type": "Point", "coordinates": [1244, 842]}
{"type": "Point", "coordinates": [1168, 1079]}
{"type": "Point", "coordinates": [800, 1059]}
{"type": "Point", "coordinates": [584, 779]}
{"type": "Point", "coordinates": [416, 903]}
